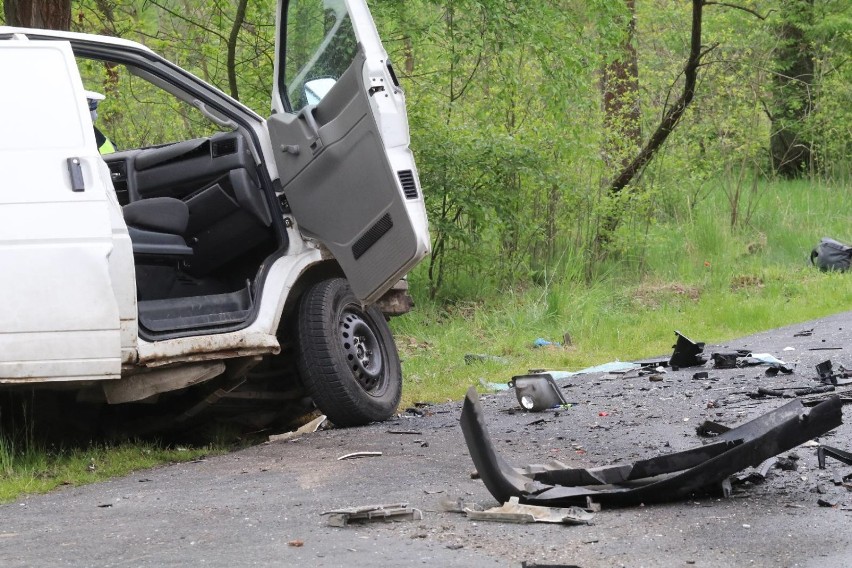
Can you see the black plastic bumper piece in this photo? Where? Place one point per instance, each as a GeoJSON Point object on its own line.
{"type": "Point", "coordinates": [663, 478]}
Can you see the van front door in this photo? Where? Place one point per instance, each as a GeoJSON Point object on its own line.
{"type": "Point", "coordinates": [340, 134]}
{"type": "Point", "coordinates": [59, 318]}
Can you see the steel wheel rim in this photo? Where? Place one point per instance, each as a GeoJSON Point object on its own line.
{"type": "Point", "coordinates": [363, 350]}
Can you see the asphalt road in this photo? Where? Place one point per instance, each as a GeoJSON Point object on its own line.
{"type": "Point", "coordinates": [250, 508]}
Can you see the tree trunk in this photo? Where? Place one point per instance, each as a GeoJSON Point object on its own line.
{"type": "Point", "coordinates": [44, 14]}
{"type": "Point", "coordinates": [239, 18]}
{"type": "Point", "coordinates": [620, 86]}
{"type": "Point", "coordinates": [671, 117]}
{"type": "Point", "coordinates": [792, 91]}
{"type": "Point", "coordinates": [673, 114]}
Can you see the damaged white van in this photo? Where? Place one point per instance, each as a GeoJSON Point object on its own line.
{"type": "Point", "coordinates": [209, 269]}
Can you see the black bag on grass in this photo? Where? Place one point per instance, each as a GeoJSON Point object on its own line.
{"type": "Point", "coordinates": [831, 255]}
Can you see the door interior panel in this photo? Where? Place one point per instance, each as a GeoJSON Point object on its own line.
{"type": "Point", "coordinates": [344, 163]}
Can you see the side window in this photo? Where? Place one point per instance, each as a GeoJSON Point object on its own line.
{"type": "Point", "coordinates": [132, 112]}
{"type": "Point", "coordinates": [319, 48]}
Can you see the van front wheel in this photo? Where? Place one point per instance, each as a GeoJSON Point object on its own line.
{"type": "Point", "coordinates": [347, 358]}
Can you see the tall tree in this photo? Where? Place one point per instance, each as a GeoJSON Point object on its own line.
{"type": "Point", "coordinates": [620, 86]}
{"type": "Point", "coordinates": [46, 14]}
{"type": "Point", "coordinates": [792, 90]}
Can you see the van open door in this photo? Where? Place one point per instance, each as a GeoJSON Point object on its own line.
{"type": "Point", "coordinates": [341, 140]}
{"type": "Point", "coordinates": [59, 317]}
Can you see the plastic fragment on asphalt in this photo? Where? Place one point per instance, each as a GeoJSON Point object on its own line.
{"type": "Point", "coordinates": [662, 478]}
{"type": "Point", "coordinates": [687, 353]}
{"type": "Point", "coordinates": [458, 505]}
{"type": "Point", "coordinates": [611, 367]}
{"type": "Point", "coordinates": [766, 359]}
{"type": "Point", "coordinates": [513, 512]}
{"type": "Point", "coordinates": [708, 429]}
{"type": "Point", "coordinates": [367, 513]}
{"type": "Point", "coordinates": [308, 428]}
{"type": "Point", "coordinates": [836, 453]}
{"type": "Point", "coordinates": [355, 455]}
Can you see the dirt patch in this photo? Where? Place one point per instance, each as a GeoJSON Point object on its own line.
{"type": "Point", "coordinates": [653, 295]}
{"type": "Point", "coordinates": [746, 282]}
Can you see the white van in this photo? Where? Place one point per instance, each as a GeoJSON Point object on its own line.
{"type": "Point", "coordinates": [154, 271]}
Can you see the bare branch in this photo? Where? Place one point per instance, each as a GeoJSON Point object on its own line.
{"type": "Point", "coordinates": [673, 115]}
{"type": "Point", "coordinates": [239, 18]}
{"type": "Point", "coordinates": [743, 8]}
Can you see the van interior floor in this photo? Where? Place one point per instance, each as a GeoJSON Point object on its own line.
{"type": "Point", "coordinates": [177, 314]}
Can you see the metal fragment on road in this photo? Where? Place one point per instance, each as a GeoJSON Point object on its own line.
{"type": "Point", "coordinates": [367, 513]}
{"type": "Point", "coordinates": [355, 455]}
{"type": "Point", "coordinates": [662, 478]}
{"type": "Point", "coordinates": [514, 512]}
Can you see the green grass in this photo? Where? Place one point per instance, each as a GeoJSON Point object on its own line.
{"type": "Point", "coordinates": [27, 467]}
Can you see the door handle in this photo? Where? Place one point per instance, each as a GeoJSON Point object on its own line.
{"type": "Point", "coordinates": [76, 173]}
{"type": "Point", "coordinates": [307, 114]}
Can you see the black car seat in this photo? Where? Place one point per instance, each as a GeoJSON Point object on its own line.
{"type": "Point", "coordinates": [157, 226]}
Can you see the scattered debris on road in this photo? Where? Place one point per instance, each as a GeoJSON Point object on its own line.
{"type": "Point", "coordinates": [839, 455]}
{"type": "Point", "coordinates": [308, 428]}
{"type": "Point", "coordinates": [709, 429]}
{"type": "Point", "coordinates": [687, 353]}
{"type": "Point", "coordinates": [513, 512]}
{"type": "Point", "coordinates": [457, 505]}
{"type": "Point", "coordinates": [355, 455]}
{"type": "Point", "coordinates": [367, 513]}
{"type": "Point", "coordinates": [663, 478]}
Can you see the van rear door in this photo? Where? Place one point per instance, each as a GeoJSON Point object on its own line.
{"type": "Point", "coordinates": [59, 318]}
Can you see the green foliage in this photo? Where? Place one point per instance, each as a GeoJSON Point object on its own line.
{"type": "Point", "coordinates": [507, 120]}
{"type": "Point", "coordinates": [700, 275]}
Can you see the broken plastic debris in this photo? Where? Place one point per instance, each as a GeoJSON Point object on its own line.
{"type": "Point", "coordinates": [542, 342]}
{"type": "Point", "coordinates": [392, 512]}
{"type": "Point", "coordinates": [661, 478]}
{"type": "Point", "coordinates": [838, 454]}
{"type": "Point", "coordinates": [308, 428]}
{"type": "Point", "coordinates": [458, 505]}
{"type": "Point", "coordinates": [687, 353]}
{"type": "Point", "coordinates": [763, 359]}
{"type": "Point", "coordinates": [611, 367]}
{"type": "Point", "coordinates": [354, 455]}
{"type": "Point", "coordinates": [513, 512]}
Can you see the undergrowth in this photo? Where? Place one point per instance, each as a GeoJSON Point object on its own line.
{"type": "Point", "coordinates": [696, 274]}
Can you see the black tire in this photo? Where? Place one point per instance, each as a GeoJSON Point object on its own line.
{"type": "Point", "coordinates": [347, 358]}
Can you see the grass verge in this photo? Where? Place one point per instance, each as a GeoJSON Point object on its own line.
{"type": "Point", "coordinates": [27, 467]}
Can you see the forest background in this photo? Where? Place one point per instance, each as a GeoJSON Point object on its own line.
{"type": "Point", "coordinates": [597, 173]}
